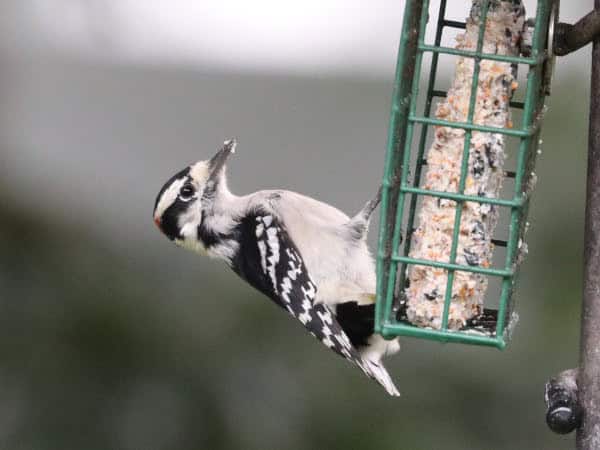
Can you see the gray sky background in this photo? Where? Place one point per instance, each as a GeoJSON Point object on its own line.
{"type": "Point", "coordinates": [312, 37]}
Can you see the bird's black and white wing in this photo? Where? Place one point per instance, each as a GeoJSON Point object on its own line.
{"type": "Point", "coordinates": [283, 277]}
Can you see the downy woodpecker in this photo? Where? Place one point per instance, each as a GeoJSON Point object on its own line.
{"type": "Point", "coordinates": [307, 256]}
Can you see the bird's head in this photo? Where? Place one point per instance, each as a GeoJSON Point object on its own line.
{"type": "Point", "coordinates": [189, 196]}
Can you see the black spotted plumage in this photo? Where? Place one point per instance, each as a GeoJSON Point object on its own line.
{"type": "Point", "coordinates": [247, 259]}
{"type": "Point", "coordinates": [284, 278]}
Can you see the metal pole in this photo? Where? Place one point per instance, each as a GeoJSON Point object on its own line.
{"type": "Point", "coordinates": [588, 435]}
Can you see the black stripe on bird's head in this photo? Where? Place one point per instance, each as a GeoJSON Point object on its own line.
{"type": "Point", "coordinates": [172, 201]}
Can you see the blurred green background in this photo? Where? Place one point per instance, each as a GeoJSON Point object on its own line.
{"type": "Point", "coordinates": [112, 338]}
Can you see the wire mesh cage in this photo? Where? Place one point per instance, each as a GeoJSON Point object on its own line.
{"type": "Point", "coordinates": [403, 266]}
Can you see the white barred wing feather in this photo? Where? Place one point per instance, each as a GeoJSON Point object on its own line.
{"type": "Point", "coordinates": [294, 290]}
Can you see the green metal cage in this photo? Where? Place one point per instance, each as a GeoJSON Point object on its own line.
{"type": "Point", "coordinates": [403, 169]}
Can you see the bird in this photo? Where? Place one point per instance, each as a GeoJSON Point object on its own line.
{"type": "Point", "coordinates": [308, 257]}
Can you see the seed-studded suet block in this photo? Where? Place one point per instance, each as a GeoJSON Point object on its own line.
{"type": "Point", "coordinates": [433, 237]}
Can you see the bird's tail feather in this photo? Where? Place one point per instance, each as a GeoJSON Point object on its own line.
{"type": "Point", "coordinates": [381, 375]}
{"type": "Point", "coordinates": [367, 210]}
{"type": "Point", "coordinates": [359, 224]}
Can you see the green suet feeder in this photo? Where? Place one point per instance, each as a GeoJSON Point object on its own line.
{"type": "Point", "coordinates": [452, 231]}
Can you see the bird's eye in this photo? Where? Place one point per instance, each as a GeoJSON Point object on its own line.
{"type": "Point", "coordinates": [186, 192]}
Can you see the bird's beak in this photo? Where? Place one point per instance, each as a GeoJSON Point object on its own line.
{"type": "Point", "coordinates": [217, 162]}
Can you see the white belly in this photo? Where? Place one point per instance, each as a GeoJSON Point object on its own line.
{"type": "Point", "coordinates": [342, 270]}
